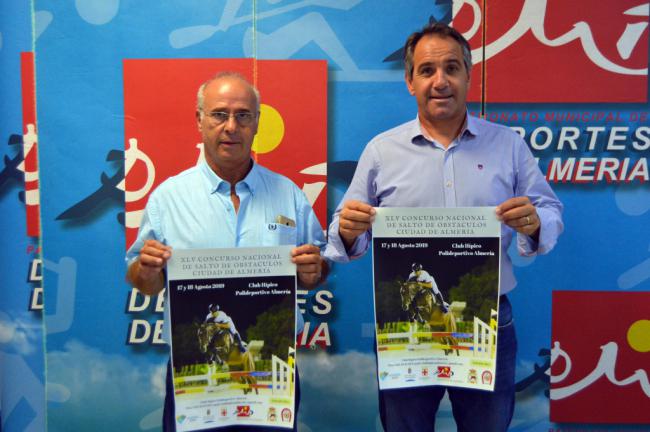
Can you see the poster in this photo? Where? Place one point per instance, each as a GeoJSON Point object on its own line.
{"type": "Point", "coordinates": [233, 336]}
{"type": "Point", "coordinates": [436, 286]}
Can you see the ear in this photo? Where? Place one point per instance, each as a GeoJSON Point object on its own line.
{"type": "Point", "coordinates": [198, 119]}
{"type": "Point", "coordinates": [409, 84]}
{"type": "Point", "coordinates": [257, 122]}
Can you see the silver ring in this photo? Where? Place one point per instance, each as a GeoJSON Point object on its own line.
{"type": "Point", "coordinates": [527, 220]}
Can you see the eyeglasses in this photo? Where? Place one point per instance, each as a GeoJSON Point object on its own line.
{"type": "Point", "coordinates": [243, 118]}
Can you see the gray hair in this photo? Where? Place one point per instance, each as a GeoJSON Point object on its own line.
{"type": "Point", "coordinates": [225, 74]}
{"type": "Point", "coordinates": [439, 29]}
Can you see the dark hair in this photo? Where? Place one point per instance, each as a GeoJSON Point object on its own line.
{"type": "Point", "coordinates": [442, 30]}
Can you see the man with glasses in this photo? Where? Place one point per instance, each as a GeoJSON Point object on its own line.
{"type": "Point", "coordinates": [226, 201]}
{"type": "Point", "coordinates": [460, 161]}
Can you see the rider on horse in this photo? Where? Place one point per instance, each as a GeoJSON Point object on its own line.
{"type": "Point", "coordinates": [426, 281]}
{"type": "Point", "coordinates": [217, 316]}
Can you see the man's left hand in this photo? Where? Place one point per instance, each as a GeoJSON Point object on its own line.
{"type": "Point", "coordinates": [520, 214]}
{"type": "Point", "coordinates": [310, 265]}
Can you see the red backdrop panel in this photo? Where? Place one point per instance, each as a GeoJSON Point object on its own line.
{"type": "Point", "coordinates": [561, 51]}
{"type": "Point", "coordinates": [159, 108]}
{"type": "Point", "coordinates": [604, 338]}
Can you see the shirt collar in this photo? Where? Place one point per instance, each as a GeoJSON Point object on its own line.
{"type": "Point", "coordinates": [216, 183]}
{"type": "Point", "coordinates": [471, 126]}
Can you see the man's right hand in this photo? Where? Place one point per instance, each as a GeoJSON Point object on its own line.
{"type": "Point", "coordinates": [356, 218]}
{"type": "Point", "coordinates": [146, 272]}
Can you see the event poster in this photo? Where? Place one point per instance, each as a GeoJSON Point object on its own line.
{"type": "Point", "coordinates": [233, 336]}
{"type": "Point", "coordinates": [436, 291]}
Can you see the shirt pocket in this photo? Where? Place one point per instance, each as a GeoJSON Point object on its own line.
{"type": "Point", "coordinates": [274, 234]}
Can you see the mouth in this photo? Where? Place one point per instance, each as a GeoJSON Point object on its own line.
{"type": "Point", "coordinates": [441, 97]}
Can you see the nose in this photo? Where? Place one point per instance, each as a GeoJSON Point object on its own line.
{"type": "Point", "coordinates": [231, 124]}
{"type": "Point", "coordinates": [440, 79]}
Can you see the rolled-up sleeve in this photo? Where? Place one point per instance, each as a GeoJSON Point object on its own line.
{"type": "Point", "coordinates": [531, 183]}
{"type": "Point", "coordinates": [362, 188]}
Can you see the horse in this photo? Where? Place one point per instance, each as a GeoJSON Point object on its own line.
{"type": "Point", "coordinates": [421, 307]}
{"type": "Point", "coordinates": [219, 347]}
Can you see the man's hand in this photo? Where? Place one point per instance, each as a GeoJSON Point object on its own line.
{"type": "Point", "coordinates": [146, 272]}
{"type": "Point", "coordinates": [310, 266]}
{"type": "Point", "coordinates": [355, 218]}
{"type": "Point", "coordinates": [520, 214]}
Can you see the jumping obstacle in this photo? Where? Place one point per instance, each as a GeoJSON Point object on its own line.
{"type": "Point", "coordinates": [281, 378]}
{"type": "Point", "coordinates": [483, 339]}
{"type": "Point", "coordinates": [485, 336]}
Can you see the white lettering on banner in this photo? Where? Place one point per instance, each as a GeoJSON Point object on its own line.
{"type": "Point", "coordinates": [593, 170]}
{"type": "Point", "coordinates": [320, 336]}
{"type": "Point", "coordinates": [321, 306]}
{"type": "Point", "coordinates": [322, 298]}
{"type": "Point", "coordinates": [140, 330]}
{"type": "Point", "coordinates": [136, 302]}
{"type": "Point", "coordinates": [36, 270]}
{"type": "Point", "coordinates": [532, 17]}
{"type": "Point", "coordinates": [35, 276]}
{"type": "Point", "coordinates": [36, 299]}
{"type": "Point", "coordinates": [606, 367]}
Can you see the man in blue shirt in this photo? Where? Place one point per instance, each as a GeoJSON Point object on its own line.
{"type": "Point", "coordinates": [446, 158]}
{"type": "Point", "coordinates": [226, 201]}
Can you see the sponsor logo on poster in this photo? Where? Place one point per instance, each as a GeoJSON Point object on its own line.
{"type": "Point", "coordinates": [445, 372]}
{"type": "Point", "coordinates": [472, 376]}
{"type": "Point", "coordinates": [486, 377]}
{"type": "Point", "coordinates": [409, 376]}
{"type": "Point", "coordinates": [287, 415]}
{"type": "Point", "coordinates": [209, 417]}
{"type": "Point", "coordinates": [244, 411]}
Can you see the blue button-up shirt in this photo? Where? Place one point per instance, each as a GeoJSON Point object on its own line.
{"type": "Point", "coordinates": [484, 166]}
{"type": "Point", "coordinates": [193, 210]}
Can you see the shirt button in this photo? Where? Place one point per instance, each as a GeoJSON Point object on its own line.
{"type": "Point", "coordinates": [448, 183]}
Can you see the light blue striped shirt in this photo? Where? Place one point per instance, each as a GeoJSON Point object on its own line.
{"type": "Point", "coordinates": [193, 210]}
{"type": "Point", "coordinates": [484, 166]}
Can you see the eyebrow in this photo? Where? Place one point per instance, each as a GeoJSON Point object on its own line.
{"type": "Point", "coordinates": [445, 62]}
{"type": "Point", "coordinates": [237, 110]}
